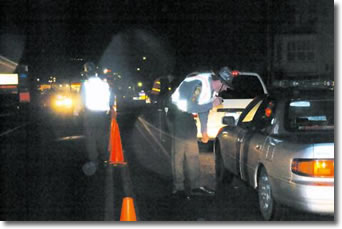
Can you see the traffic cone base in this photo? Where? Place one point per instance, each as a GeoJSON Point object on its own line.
{"type": "Point", "coordinates": [128, 210]}
{"type": "Point", "coordinates": [118, 163]}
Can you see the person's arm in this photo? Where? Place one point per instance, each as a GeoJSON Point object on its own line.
{"type": "Point", "coordinates": [203, 117]}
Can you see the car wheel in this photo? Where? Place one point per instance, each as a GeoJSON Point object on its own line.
{"type": "Point", "coordinates": [223, 176]}
{"type": "Point", "coordinates": [269, 208]}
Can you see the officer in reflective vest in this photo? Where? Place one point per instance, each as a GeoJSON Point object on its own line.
{"type": "Point", "coordinates": [197, 93]}
{"type": "Point", "coordinates": [97, 99]}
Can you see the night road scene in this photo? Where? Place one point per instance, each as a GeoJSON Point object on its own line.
{"type": "Point", "coordinates": [167, 111]}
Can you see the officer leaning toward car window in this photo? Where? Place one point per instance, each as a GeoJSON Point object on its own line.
{"type": "Point", "coordinates": [197, 93]}
{"type": "Point", "coordinates": [97, 101]}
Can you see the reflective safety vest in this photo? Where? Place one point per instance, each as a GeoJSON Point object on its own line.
{"type": "Point", "coordinates": [156, 87]}
{"type": "Point", "coordinates": [205, 94]}
{"type": "Point", "coordinates": [97, 94]}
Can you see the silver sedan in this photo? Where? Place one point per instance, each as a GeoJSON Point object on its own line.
{"type": "Point", "coordinates": [283, 147]}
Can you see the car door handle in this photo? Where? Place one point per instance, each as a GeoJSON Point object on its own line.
{"type": "Point", "coordinates": [257, 147]}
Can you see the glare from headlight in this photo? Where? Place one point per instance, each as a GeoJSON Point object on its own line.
{"type": "Point", "coordinates": [67, 102]}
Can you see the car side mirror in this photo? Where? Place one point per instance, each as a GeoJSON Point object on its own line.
{"type": "Point", "coordinates": [229, 121]}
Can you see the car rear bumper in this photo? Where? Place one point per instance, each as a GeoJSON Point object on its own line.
{"type": "Point", "coordinates": [311, 197]}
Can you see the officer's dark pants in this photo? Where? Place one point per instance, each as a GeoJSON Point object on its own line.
{"type": "Point", "coordinates": [185, 152]}
{"type": "Point", "coordinates": [96, 125]}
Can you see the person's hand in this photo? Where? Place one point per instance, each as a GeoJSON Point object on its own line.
{"type": "Point", "coordinates": [205, 138]}
{"type": "Point", "coordinates": [217, 101]}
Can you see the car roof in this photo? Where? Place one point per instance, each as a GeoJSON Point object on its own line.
{"type": "Point", "coordinates": [300, 93]}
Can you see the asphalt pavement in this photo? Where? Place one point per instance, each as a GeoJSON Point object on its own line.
{"type": "Point", "coordinates": [42, 178]}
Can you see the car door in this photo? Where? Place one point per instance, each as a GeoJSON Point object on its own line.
{"type": "Point", "coordinates": [252, 144]}
{"type": "Point", "coordinates": [243, 134]}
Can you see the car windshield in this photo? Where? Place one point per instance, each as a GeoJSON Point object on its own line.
{"type": "Point", "coordinates": [311, 115]}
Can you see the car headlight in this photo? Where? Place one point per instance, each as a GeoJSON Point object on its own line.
{"type": "Point", "coordinates": [313, 167]}
{"type": "Point", "coordinates": [66, 102]}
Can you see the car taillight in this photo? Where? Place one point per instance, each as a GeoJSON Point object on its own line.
{"type": "Point", "coordinates": [268, 112]}
{"type": "Point", "coordinates": [235, 73]}
{"type": "Point", "coordinates": [313, 167]}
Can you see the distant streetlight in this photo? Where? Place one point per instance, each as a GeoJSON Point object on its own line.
{"type": "Point", "coordinates": [138, 69]}
{"type": "Point", "coordinates": [140, 84]}
{"type": "Point", "coordinates": [144, 58]}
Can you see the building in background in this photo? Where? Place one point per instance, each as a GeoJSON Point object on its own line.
{"type": "Point", "coordinates": [303, 45]}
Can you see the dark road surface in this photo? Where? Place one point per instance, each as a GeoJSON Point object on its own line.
{"type": "Point", "coordinates": [42, 179]}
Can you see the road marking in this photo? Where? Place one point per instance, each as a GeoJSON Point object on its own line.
{"type": "Point", "coordinates": [67, 138]}
{"type": "Point", "coordinates": [12, 130]}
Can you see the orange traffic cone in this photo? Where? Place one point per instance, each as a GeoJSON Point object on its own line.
{"type": "Point", "coordinates": [114, 146]}
{"type": "Point", "coordinates": [128, 210]}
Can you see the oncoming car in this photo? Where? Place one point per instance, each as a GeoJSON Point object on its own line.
{"type": "Point", "coordinates": [64, 103]}
{"type": "Point", "coordinates": [283, 147]}
{"type": "Point", "coordinates": [59, 103]}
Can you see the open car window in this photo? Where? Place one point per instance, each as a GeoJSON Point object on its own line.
{"type": "Point", "coordinates": [250, 115]}
{"type": "Point", "coordinates": [247, 117]}
{"type": "Point", "coordinates": [258, 114]}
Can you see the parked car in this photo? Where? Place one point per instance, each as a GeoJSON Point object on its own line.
{"type": "Point", "coordinates": [283, 147]}
{"type": "Point", "coordinates": [247, 85]}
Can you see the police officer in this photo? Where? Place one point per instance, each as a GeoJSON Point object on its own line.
{"type": "Point", "coordinates": [97, 100]}
{"type": "Point", "coordinates": [197, 93]}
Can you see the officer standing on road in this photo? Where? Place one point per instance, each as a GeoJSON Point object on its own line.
{"type": "Point", "coordinates": [197, 93]}
{"type": "Point", "coordinates": [97, 100]}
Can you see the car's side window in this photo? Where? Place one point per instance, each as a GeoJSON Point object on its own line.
{"type": "Point", "coordinates": [262, 118]}
{"type": "Point", "coordinates": [259, 115]}
{"type": "Point", "coordinates": [248, 114]}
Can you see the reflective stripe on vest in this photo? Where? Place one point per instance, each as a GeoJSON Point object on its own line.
{"type": "Point", "coordinates": [204, 97]}
{"type": "Point", "coordinates": [97, 95]}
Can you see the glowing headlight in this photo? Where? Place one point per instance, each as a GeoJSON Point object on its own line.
{"type": "Point", "coordinates": [67, 102]}
{"type": "Point", "coordinates": [59, 103]}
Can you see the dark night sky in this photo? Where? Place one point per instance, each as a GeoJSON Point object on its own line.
{"type": "Point", "coordinates": [180, 36]}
